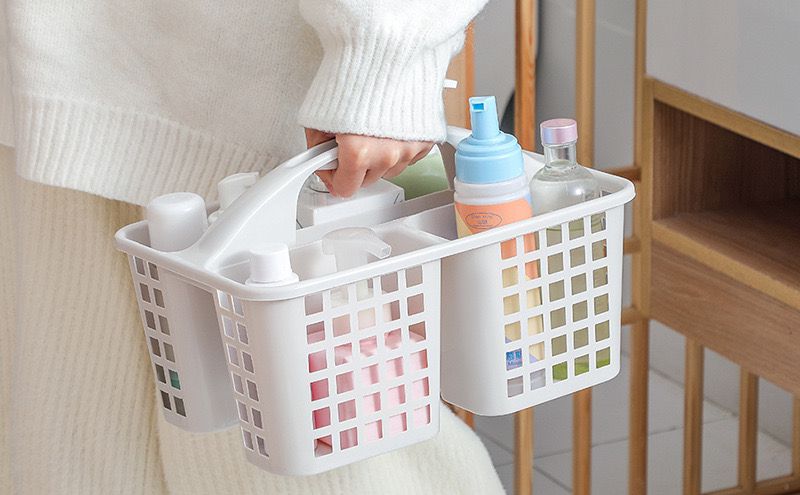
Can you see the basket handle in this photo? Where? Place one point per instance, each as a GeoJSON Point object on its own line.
{"type": "Point", "coordinates": [266, 211]}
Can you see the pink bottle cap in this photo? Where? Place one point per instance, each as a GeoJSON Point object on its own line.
{"type": "Point", "coordinates": [559, 131]}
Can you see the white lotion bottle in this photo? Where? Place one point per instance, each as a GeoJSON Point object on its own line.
{"type": "Point", "coordinates": [198, 372]}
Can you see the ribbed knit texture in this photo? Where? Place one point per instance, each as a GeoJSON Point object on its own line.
{"type": "Point", "coordinates": [131, 100]}
{"type": "Point", "coordinates": [82, 414]}
{"type": "Point", "coordinates": [384, 65]}
{"type": "Point", "coordinates": [453, 463]}
{"type": "Point", "coordinates": [6, 117]}
{"type": "Point", "coordinates": [119, 153]}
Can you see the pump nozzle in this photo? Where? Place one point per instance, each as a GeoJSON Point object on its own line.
{"type": "Point", "coordinates": [352, 246]}
{"type": "Point", "coordinates": [483, 116]}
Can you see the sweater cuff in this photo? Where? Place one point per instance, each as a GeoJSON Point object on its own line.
{"type": "Point", "coordinates": [380, 87]}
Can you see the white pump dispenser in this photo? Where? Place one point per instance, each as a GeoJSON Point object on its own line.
{"type": "Point", "coordinates": [352, 247]}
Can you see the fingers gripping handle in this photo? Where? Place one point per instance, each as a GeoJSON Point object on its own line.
{"type": "Point", "coordinates": [266, 212]}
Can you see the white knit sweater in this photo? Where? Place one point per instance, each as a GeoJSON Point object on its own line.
{"type": "Point", "coordinates": [129, 100]}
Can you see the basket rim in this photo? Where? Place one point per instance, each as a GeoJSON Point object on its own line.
{"type": "Point", "coordinates": [622, 192]}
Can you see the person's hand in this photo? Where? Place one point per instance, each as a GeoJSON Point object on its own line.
{"type": "Point", "coordinates": [365, 159]}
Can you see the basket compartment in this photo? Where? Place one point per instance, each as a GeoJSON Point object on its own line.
{"type": "Point", "coordinates": [534, 317]}
{"type": "Point", "coordinates": [184, 347]}
{"type": "Point", "coordinates": [338, 375]}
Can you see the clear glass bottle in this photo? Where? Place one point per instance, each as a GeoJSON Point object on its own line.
{"type": "Point", "coordinates": [561, 182]}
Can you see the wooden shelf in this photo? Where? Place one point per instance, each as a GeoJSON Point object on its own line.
{"type": "Point", "coordinates": [757, 245]}
{"type": "Point", "coordinates": [723, 222]}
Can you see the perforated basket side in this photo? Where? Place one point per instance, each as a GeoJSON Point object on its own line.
{"type": "Point", "coordinates": [185, 348]}
{"type": "Point", "coordinates": [339, 375]}
{"type": "Point", "coordinates": [548, 323]}
{"type": "Point", "coordinates": [152, 307]}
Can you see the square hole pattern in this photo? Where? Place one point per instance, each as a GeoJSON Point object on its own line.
{"type": "Point", "coordinates": [369, 367]}
{"type": "Point", "coordinates": [555, 304]}
{"type": "Point", "coordinates": [152, 306]}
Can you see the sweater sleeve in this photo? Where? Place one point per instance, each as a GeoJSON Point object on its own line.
{"type": "Point", "coordinates": [383, 65]}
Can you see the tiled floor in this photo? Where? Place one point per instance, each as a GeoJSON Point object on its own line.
{"type": "Point", "coordinates": [553, 439]}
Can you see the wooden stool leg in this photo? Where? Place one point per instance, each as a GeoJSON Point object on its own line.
{"type": "Point", "coordinates": [523, 452]}
{"type": "Point", "coordinates": [693, 419]}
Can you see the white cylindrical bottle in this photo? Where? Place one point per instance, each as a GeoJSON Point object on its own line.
{"type": "Point", "coordinates": [198, 375]}
{"type": "Point", "coordinates": [270, 266]}
{"type": "Point", "coordinates": [176, 221]}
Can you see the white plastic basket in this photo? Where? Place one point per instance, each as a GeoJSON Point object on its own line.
{"type": "Point", "coordinates": [345, 365]}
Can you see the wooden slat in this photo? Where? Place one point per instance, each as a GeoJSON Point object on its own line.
{"type": "Point", "coordinates": [734, 490]}
{"type": "Point", "coordinates": [783, 485]}
{"type": "Point", "coordinates": [525, 82]}
{"type": "Point", "coordinates": [640, 45]}
{"type": "Point", "coordinates": [745, 326]}
{"type": "Point", "coordinates": [523, 452]}
{"type": "Point", "coordinates": [461, 69]}
{"type": "Point", "coordinates": [582, 441]}
{"type": "Point", "coordinates": [639, 393]}
{"type": "Point", "coordinates": [748, 430]}
{"type": "Point", "coordinates": [643, 204]}
{"type": "Point", "coordinates": [778, 486]}
{"type": "Point", "coordinates": [693, 418]}
{"type": "Point", "coordinates": [584, 79]}
{"type": "Point", "coordinates": [525, 130]}
{"type": "Point", "coordinates": [631, 316]}
{"type": "Point", "coordinates": [631, 172]}
{"type": "Point", "coordinates": [584, 113]}
{"type": "Point", "coordinates": [728, 119]}
{"type": "Point", "coordinates": [631, 245]}
{"type": "Point", "coordinates": [465, 416]}
{"type": "Point", "coordinates": [640, 286]}
{"type": "Point", "coordinates": [796, 437]}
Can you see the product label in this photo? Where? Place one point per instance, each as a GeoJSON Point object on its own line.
{"type": "Point", "coordinates": [472, 219]}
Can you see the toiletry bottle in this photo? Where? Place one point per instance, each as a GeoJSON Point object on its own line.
{"type": "Point", "coordinates": [230, 188]}
{"type": "Point", "coordinates": [184, 317]}
{"type": "Point", "coordinates": [490, 185]}
{"type": "Point", "coordinates": [270, 266]}
{"type": "Point", "coordinates": [316, 205]}
{"type": "Point", "coordinates": [562, 182]}
{"type": "Point", "coordinates": [491, 190]}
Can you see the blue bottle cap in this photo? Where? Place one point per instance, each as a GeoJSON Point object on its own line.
{"type": "Point", "coordinates": [488, 155]}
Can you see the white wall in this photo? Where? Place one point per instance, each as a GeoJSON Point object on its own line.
{"type": "Point", "coordinates": [743, 54]}
{"type": "Point", "coordinates": [494, 66]}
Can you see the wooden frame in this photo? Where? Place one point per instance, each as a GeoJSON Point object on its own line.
{"type": "Point", "coordinates": [687, 253]}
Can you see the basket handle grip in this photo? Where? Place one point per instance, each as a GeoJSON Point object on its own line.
{"type": "Point", "coordinates": [266, 211]}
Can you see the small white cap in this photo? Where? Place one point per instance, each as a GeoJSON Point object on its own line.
{"type": "Point", "coordinates": [270, 264]}
{"type": "Point", "coordinates": [176, 221]}
{"type": "Point", "coordinates": [232, 186]}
